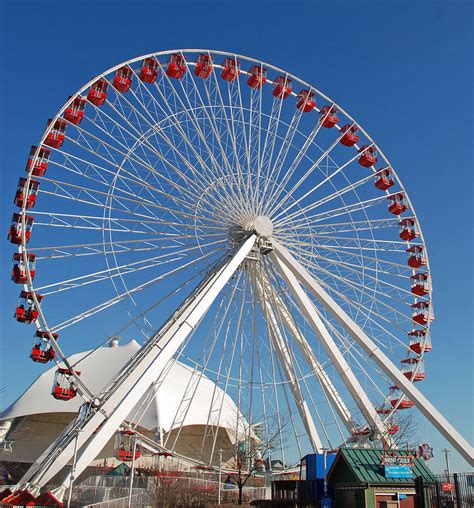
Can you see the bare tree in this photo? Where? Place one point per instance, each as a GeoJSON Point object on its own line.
{"type": "Point", "coordinates": [407, 430]}
{"type": "Point", "coordinates": [250, 456]}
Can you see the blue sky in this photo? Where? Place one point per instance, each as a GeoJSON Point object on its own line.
{"type": "Point", "coordinates": [403, 70]}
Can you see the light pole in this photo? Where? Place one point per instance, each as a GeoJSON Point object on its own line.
{"type": "Point", "coordinates": [132, 472]}
{"type": "Point", "coordinates": [325, 451]}
{"type": "Point", "coordinates": [446, 451]}
{"type": "Point", "coordinates": [73, 469]}
{"type": "Point", "coordinates": [219, 478]}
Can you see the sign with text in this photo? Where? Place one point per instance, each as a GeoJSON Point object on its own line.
{"type": "Point", "coordinates": [398, 472]}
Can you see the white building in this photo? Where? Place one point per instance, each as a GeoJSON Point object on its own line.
{"type": "Point", "coordinates": [33, 421]}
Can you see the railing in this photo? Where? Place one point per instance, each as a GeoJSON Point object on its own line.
{"type": "Point", "coordinates": [104, 491]}
{"type": "Point", "coordinates": [453, 491]}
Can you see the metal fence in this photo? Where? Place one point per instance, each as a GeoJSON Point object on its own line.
{"type": "Point", "coordinates": [112, 491]}
{"type": "Point", "coordinates": [453, 491]}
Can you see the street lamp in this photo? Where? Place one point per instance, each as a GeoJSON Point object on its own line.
{"type": "Point", "coordinates": [132, 472]}
{"type": "Point", "coordinates": [219, 478]}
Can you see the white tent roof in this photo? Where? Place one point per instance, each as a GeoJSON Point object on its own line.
{"type": "Point", "coordinates": [101, 365]}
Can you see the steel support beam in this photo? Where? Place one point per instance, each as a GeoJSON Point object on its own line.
{"type": "Point", "coordinates": [302, 344]}
{"type": "Point", "coordinates": [128, 387]}
{"type": "Point", "coordinates": [285, 359]}
{"type": "Point", "coordinates": [375, 353]}
{"type": "Point", "coordinates": [340, 363]}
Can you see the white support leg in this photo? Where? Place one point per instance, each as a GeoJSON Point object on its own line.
{"type": "Point", "coordinates": [302, 344]}
{"type": "Point", "coordinates": [343, 368]}
{"type": "Point", "coordinates": [131, 383]}
{"type": "Point", "coordinates": [374, 352]}
{"type": "Point", "coordinates": [285, 360]}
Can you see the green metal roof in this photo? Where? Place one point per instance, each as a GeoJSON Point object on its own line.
{"type": "Point", "coordinates": [364, 463]}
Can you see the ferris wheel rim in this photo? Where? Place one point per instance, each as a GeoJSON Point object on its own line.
{"type": "Point", "coordinates": [23, 249]}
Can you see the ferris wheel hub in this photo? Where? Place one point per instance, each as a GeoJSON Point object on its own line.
{"type": "Point", "coordinates": [261, 225]}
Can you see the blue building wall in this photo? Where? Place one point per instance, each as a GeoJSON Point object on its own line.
{"type": "Point", "coordinates": [315, 465]}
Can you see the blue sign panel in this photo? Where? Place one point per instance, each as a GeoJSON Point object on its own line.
{"type": "Point", "coordinates": [398, 472]}
{"type": "Point", "coordinates": [326, 502]}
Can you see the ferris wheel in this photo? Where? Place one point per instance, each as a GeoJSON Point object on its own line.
{"type": "Point", "coordinates": [239, 219]}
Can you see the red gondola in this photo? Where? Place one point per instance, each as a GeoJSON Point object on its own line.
{"type": "Point", "coordinates": [203, 68]}
{"type": "Point", "coordinates": [15, 231]}
{"type": "Point", "coordinates": [75, 111]}
{"type": "Point", "coordinates": [282, 87]}
{"type": "Point", "coordinates": [41, 164]}
{"type": "Point", "coordinates": [123, 79]}
{"type": "Point", "coordinates": [350, 137]}
{"type": "Point", "coordinates": [416, 257]}
{"type": "Point", "coordinates": [176, 66]}
{"type": "Point", "coordinates": [305, 101]}
{"type": "Point", "coordinates": [397, 203]}
{"type": "Point", "coordinates": [26, 310]}
{"type": "Point", "coordinates": [420, 284]}
{"type": "Point", "coordinates": [64, 384]}
{"type": "Point", "coordinates": [414, 369]}
{"type": "Point", "coordinates": [98, 92]}
{"type": "Point", "coordinates": [257, 76]}
{"type": "Point", "coordinates": [19, 268]}
{"type": "Point", "coordinates": [328, 116]}
{"type": "Point", "coordinates": [408, 229]}
{"type": "Point", "coordinates": [125, 444]}
{"type": "Point", "coordinates": [368, 157]}
{"type": "Point", "coordinates": [230, 69]}
{"type": "Point", "coordinates": [42, 350]}
{"type": "Point", "coordinates": [364, 431]}
{"type": "Point", "coordinates": [422, 313]}
{"type": "Point", "coordinates": [420, 341]}
{"type": "Point", "coordinates": [395, 397]}
{"type": "Point", "coordinates": [30, 195]}
{"type": "Point", "coordinates": [393, 428]}
{"type": "Point", "coordinates": [56, 135]}
{"type": "Point", "coordinates": [384, 179]}
{"type": "Point", "coordinates": [20, 498]}
{"type": "Point", "coordinates": [165, 454]}
{"type": "Point", "coordinates": [149, 70]}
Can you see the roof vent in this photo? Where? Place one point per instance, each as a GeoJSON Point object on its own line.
{"type": "Point", "coordinates": [114, 342]}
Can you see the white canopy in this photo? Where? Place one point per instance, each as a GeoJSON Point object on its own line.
{"type": "Point", "coordinates": [98, 367]}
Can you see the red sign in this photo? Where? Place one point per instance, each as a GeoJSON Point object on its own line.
{"type": "Point", "coordinates": [447, 487]}
{"type": "Point", "coordinates": [425, 451]}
